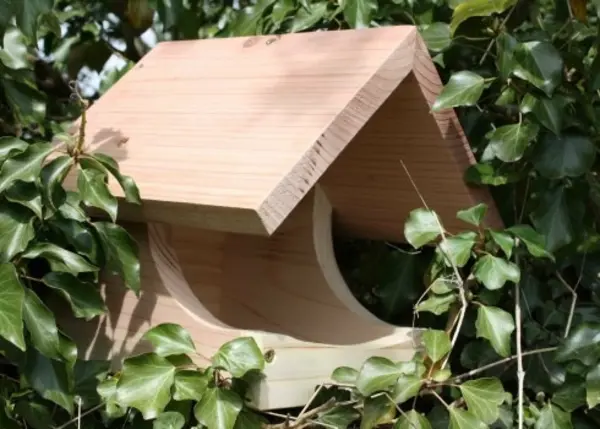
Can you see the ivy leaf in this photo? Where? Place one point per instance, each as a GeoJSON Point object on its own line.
{"type": "Point", "coordinates": [504, 241]}
{"type": "Point", "coordinates": [27, 14]}
{"type": "Point", "coordinates": [592, 386]}
{"type": "Point", "coordinates": [437, 36]}
{"type": "Point", "coordinates": [378, 410]}
{"type": "Point", "coordinates": [12, 297]}
{"type": "Point", "coordinates": [84, 298]}
{"type": "Point", "coordinates": [27, 195]}
{"type": "Point", "coordinates": [107, 390]}
{"type": "Point", "coordinates": [16, 224]}
{"type": "Point", "coordinates": [462, 419]}
{"type": "Point", "coordinates": [540, 64]}
{"type": "Point", "coordinates": [548, 111]}
{"type": "Point", "coordinates": [218, 409]}
{"type": "Point", "coordinates": [484, 397]}
{"type": "Point", "coordinates": [25, 166]}
{"type": "Point", "coordinates": [377, 373]}
{"type": "Point", "coordinates": [306, 18]}
{"type": "Point", "coordinates": [122, 252]}
{"type": "Point", "coordinates": [437, 344]}
{"type": "Point", "coordinates": [473, 215]}
{"type": "Point", "coordinates": [472, 8]}
{"type": "Point", "coordinates": [583, 345]}
{"type": "Point", "coordinates": [59, 259]}
{"type": "Point", "coordinates": [170, 339]}
{"type": "Point", "coordinates": [463, 89]}
{"type": "Point", "coordinates": [81, 236]}
{"type": "Point", "coordinates": [145, 384]}
{"type": "Point", "coordinates": [407, 386]}
{"type": "Point", "coordinates": [94, 192]}
{"type": "Point", "coordinates": [105, 163]}
{"type": "Point", "coordinates": [339, 417]}
{"type": "Point", "coordinates": [169, 420]}
{"type": "Point", "coordinates": [41, 325]}
{"type": "Point", "coordinates": [569, 155]}
{"type": "Point", "coordinates": [190, 384]}
{"type": "Point", "coordinates": [552, 416]}
{"type": "Point", "coordinates": [458, 248]}
{"type": "Point", "coordinates": [532, 240]}
{"type": "Point", "coordinates": [421, 227]}
{"type": "Point", "coordinates": [494, 272]}
{"type": "Point", "coordinates": [552, 219]}
{"type": "Point", "coordinates": [412, 420]}
{"type": "Point", "coordinates": [508, 142]}
{"type": "Point", "coordinates": [359, 13]}
{"type": "Point", "coordinates": [87, 375]}
{"type": "Point", "coordinates": [9, 145]}
{"type": "Point", "coordinates": [437, 304]}
{"type": "Point", "coordinates": [497, 326]}
{"type": "Point", "coordinates": [344, 375]}
{"type": "Point", "coordinates": [239, 356]}
{"type": "Point", "coordinates": [250, 420]}
{"type": "Point", "coordinates": [52, 176]}
{"type": "Point", "coordinates": [505, 61]}
{"type": "Point", "coordinates": [570, 396]}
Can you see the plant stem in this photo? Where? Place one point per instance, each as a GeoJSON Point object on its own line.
{"type": "Point", "coordinates": [491, 44]}
{"type": "Point", "coordinates": [573, 291]}
{"type": "Point", "coordinates": [520, 371]}
{"type": "Point", "coordinates": [82, 415]}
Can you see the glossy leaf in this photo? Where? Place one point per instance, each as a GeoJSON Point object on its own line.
{"type": "Point", "coordinates": [548, 111]}
{"type": "Point", "coordinates": [505, 60]}
{"type": "Point", "coordinates": [110, 166]}
{"type": "Point", "coordinates": [83, 297]}
{"type": "Point", "coordinates": [239, 356]}
{"type": "Point", "coordinates": [462, 419]}
{"type": "Point", "coordinates": [52, 176]}
{"type": "Point", "coordinates": [306, 18]}
{"type": "Point", "coordinates": [497, 326]}
{"type": "Point", "coordinates": [473, 215]}
{"type": "Point", "coordinates": [567, 156]}
{"type": "Point", "coordinates": [12, 297]}
{"type": "Point", "coordinates": [218, 409]}
{"type": "Point", "coordinates": [16, 224]}
{"type": "Point", "coordinates": [359, 13]}
{"type": "Point", "coordinates": [532, 240]}
{"type": "Point", "coordinates": [190, 384]}
{"type": "Point", "coordinates": [437, 344]}
{"type": "Point", "coordinates": [170, 339]}
{"type": "Point", "coordinates": [457, 249]}
{"type": "Point", "coordinates": [553, 417]}
{"type": "Point", "coordinates": [472, 8]}
{"type": "Point", "coordinates": [463, 89]}
{"type": "Point", "coordinates": [344, 375]}
{"type": "Point", "coordinates": [412, 420]}
{"type": "Point", "coordinates": [539, 63]}
{"type": "Point", "coordinates": [27, 195]}
{"type": "Point", "coordinates": [437, 36]}
{"type": "Point", "coordinates": [41, 325]}
{"type": "Point", "coordinates": [27, 15]}
{"type": "Point", "coordinates": [169, 420]}
{"type": "Point", "coordinates": [509, 142]}
{"type": "Point", "coordinates": [94, 192]}
{"type": "Point", "coordinates": [504, 241]}
{"type": "Point", "coordinates": [10, 146]}
{"type": "Point", "coordinates": [25, 166]}
{"type": "Point", "coordinates": [407, 387]}
{"type": "Point", "coordinates": [59, 259]}
{"type": "Point", "coordinates": [494, 272]}
{"type": "Point", "coordinates": [122, 252]}
{"type": "Point", "coordinates": [378, 410]}
{"type": "Point", "coordinates": [583, 345]}
{"type": "Point", "coordinates": [376, 374]}
{"type": "Point", "coordinates": [592, 386]}
{"type": "Point", "coordinates": [484, 397]}
{"type": "Point", "coordinates": [421, 227]}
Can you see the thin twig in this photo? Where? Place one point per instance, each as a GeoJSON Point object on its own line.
{"type": "Point", "coordinates": [574, 295]}
{"type": "Point", "coordinates": [491, 44]}
{"type": "Point", "coordinates": [82, 415]}
{"type": "Point", "coordinates": [310, 401]}
{"type": "Point", "coordinates": [434, 393]}
{"type": "Point", "coordinates": [301, 421]}
{"type": "Point", "coordinates": [520, 371]}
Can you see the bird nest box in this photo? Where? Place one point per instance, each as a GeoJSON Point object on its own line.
{"type": "Point", "coordinates": [246, 151]}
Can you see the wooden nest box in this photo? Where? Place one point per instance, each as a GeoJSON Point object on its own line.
{"type": "Point", "coordinates": [244, 150]}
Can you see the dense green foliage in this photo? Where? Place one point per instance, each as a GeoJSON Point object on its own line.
{"type": "Point", "coordinates": [512, 316]}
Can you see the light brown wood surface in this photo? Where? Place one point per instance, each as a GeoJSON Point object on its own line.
{"type": "Point", "coordinates": [286, 291]}
{"type": "Point", "coordinates": [231, 134]}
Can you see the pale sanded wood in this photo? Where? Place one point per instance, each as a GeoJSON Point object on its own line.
{"type": "Point", "coordinates": [286, 291]}
{"type": "Point", "coordinates": [230, 134]}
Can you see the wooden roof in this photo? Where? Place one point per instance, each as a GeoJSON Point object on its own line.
{"type": "Point", "coordinates": [230, 134]}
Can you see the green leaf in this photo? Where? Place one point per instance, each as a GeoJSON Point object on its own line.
{"type": "Point", "coordinates": [190, 384]}
{"type": "Point", "coordinates": [407, 387]}
{"type": "Point", "coordinates": [41, 325]}
{"type": "Point", "coordinates": [552, 219]}
{"type": "Point", "coordinates": [437, 36]}
{"type": "Point", "coordinates": [52, 177]}
{"type": "Point", "coordinates": [27, 195]}
{"type": "Point", "coordinates": [145, 384]}
{"type": "Point", "coordinates": [540, 64]}
{"type": "Point", "coordinates": [27, 14]}
{"type": "Point", "coordinates": [84, 297]}
{"type": "Point", "coordinates": [281, 10]}
{"type": "Point", "coordinates": [582, 344]}
{"type": "Point", "coordinates": [107, 390]}
{"type": "Point", "coordinates": [437, 304]}
{"type": "Point", "coordinates": [169, 420]}
{"type": "Point", "coordinates": [81, 236]}
{"type": "Point", "coordinates": [532, 240]}
{"type": "Point", "coordinates": [473, 215]}
{"type": "Point", "coordinates": [552, 417]}
{"type": "Point", "coordinates": [378, 410]}
{"type": "Point", "coordinates": [339, 417]}
{"type": "Point", "coordinates": [12, 297]}
{"type": "Point", "coordinates": [592, 386]}
{"type": "Point", "coordinates": [570, 396]}
{"type": "Point", "coordinates": [94, 192]}
{"type": "Point", "coordinates": [484, 397]}
{"type": "Point", "coordinates": [239, 356]}
{"type": "Point", "coordinates": [497, 326]}
{"type": "Point", "coordinates": [472, 8]}
{"type": "Point", "coordinates": [359, 13]}
{"type": "Point", "coordinates": [421, 227]}
{"type": "Point", "coordinates": [504, 241]}
{"type": "Point", "coordinates": [412, 420]}
{"type": "Point", "coordinates": [345, 375]}
{"type": "Point", "coordinates": [457, 249]}
{"type": "Point", "coordinates": [10, 146]}
{"type": "Point", "coordinates": [494, 272]}
{"type": "Point", "coordinates": [437, 344]}
{"type": "Point", "coordinates": [16, 224]}
{"type": "Point", "coordinates": [505, 60]}
{"type": "Point", "coordinates": [170, 339]}
{"type": "Point", "coordinates": [307, 17]}
{"type": "Point", "coordinates": [567, 156]}
{"type": "Point", "coordinates": [218, 409]}
{"type": "Point", "coordinates": [107, 164]}
{"type": "Point", "coordinates": [462, 419]}
{"type": "Point", "coordinates": [508, 142]}
{"type": "Point", "coordinates": [463, 89]}
{"type": "Point", "coordinates": [122, 252]}
{"type": "Point", "coordinates": [250, 420]}
{"type": "Point", "coordinates": [87, 375]}
{"type": "Point", "coordinates": [548, 111]}
{"type": "Point", "coordinates": [25, 166]}
{"type": "Point", "coordinates": [377, 373]}
{"type": "Point", "coordinates": [59, 259]}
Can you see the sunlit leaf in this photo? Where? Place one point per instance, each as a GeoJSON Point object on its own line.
{"type": "Point", "coordinates": [494, 272]}
{"type": "Point", "coordinates": [344, 375]}
{"type": "Point", "coordinates": [169, 420]}
{"type": "Point", "coordinates": [16, 224]}
{"type": "Point", "coordinates": [190, 384]}
{"type": "Point", "coordinates": [307, 17]}
{"type": "Point", "coordinates": [497, 326]}
{"type": "Point", "coordinates": [463, 89]}
{"type": "Point", "coordinates": [472, 8]}
{"type": "Point", "coordinates": [122, 252]}
{"type": "Point", "coordinates": [412, 420]}
{"type": "Point", "coordinates": [592, 386]}
{"type": "Point", "coordinates": [84, 297]}
{"type": "Point", "coordinates": [41, 324]}
{"type": "Point", "coordinates": [219, 408]}
{"type": "Point", "coordinates": [170, 339]}
{"type": "Point", "coordinates": [484, 397]}
{"type": "Point", "coordinates": [359, 13]}
{"type": "Point", "coordinates": [437, 344]}
{"type": "Point", "coordinates": [12, 296]}
{"type": "Point", "coordinates": [437, 36]}
{"type": "Point", "coordinates": [239, 356]}
{"type": "Point", "coordinates": [25, 166]}
{"type": "Point", "coordinates": [59, 259]}
{"type": "Point", "coordinates": [509, 142]}
{"type": "Point", "coordinates": [377, 373]}
{"type": "Point", "coordinates": [94, 192]}
{"type": "Point", "coordinates": [421, 227]}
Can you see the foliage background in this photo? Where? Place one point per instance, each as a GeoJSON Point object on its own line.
{"type": "Point", "coordinates": [524, 76]}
